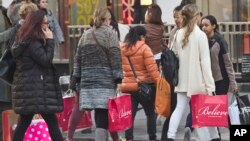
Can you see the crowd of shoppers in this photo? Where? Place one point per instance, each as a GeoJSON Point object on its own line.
{"type": "Point", "coordinates": [102, 66]}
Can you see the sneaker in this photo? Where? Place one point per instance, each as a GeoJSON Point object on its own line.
{"type": "Point", "coordinates": [187, 134]}
{"type": "Point", "coordinates": [122, 139]}
{"type": "Point", "coordinates": [86, 131]}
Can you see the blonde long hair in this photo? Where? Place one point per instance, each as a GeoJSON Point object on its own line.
{"type": "Point", "coordinates": [100, 15]}
{"type": "Point", "coordinates": [189, 13]}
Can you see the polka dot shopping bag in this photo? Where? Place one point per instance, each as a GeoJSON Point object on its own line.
{"type": "Point", "coordinates": [37, 131]}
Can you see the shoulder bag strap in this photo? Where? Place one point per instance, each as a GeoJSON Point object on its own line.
{"type": "Point", "coordinates": [99, 45]}
{"type": "Point", "coordinates": [133, 69]}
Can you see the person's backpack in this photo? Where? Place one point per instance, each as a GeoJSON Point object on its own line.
{"type": "Point", "coordinates": [170, 66]}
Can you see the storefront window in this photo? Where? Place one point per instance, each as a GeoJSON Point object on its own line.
{"type": "Point", "coordinates": [244, 10]}
{"type": "Point", "coordinates": [221, 9]}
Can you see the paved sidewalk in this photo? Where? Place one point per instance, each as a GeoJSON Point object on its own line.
{"type": "Point", "coordinates": [140, 131]}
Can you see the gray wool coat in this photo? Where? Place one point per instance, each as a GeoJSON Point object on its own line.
{"type": "Point", "coordinates": [98, 71]}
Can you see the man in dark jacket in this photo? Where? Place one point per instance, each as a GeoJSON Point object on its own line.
{"type": "Point", "coordinates": [5, 96]}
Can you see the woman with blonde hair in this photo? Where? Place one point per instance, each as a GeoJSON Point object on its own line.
{"type": "Point", "coordinates": [98, 70]}
{"type": "Point", "coordinates": [195, 75]}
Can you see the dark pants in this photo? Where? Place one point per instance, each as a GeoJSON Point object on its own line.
{"type": "Point", "coordinates": [166, 123]}
{"type": "Point", "coordinates": [3, 106]}
{"type": "Point", "coordinates": [139, 14]}
{"type": "Point", "coordinates": [101, 118]}
{"type": "Point", "coordinates": [25, 121]}
{"type": "Point", "coordinates": [149, 109]}
{"type": "Point", "coordinates": [222, 87]}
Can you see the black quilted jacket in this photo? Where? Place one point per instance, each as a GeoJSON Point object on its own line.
{"type": "Point", "coordinates": [35, 86]}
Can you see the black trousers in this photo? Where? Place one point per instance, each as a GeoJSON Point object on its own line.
{"type": "Point", "coordinates": [101, 118]}
{"type": "Point", "coordinates": [149, 109]}
{"type": "Point", "coordinates": [139, 14]}
{"type": "Point", "coordinates": [25, 121]}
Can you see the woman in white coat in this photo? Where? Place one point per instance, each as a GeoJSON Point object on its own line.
{"type": "Point", "coordinates": [195, 76]}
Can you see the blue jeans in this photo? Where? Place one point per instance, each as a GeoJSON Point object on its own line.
{"type": "Point", "coordinates": [149, 109]}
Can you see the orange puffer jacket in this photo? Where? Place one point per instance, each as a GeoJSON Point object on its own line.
{"type": "Point", "coordinates": [144, 63]}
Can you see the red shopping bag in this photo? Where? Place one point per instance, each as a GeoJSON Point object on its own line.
{"type": "Point", "coordinates": [9, 121]}
{"type": "Point", "coordinates": [120, 113]}
{"type": "Point", "coordinates": [209, 110]}
{"type": "Point", "coordinates": [63, 117]}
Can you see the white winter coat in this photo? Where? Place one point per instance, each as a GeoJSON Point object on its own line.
{"type": "Point", "coordinates": [195, 75]}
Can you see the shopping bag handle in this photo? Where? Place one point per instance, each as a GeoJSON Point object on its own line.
{"type": "Point", "coordinates": [213, 93]}
{"type": "Point", "coordinates": [236, 94]}
{"type": "Point", "coordinates": [69, 92]}
{"type": "Point", "coordinates": [237, 100]}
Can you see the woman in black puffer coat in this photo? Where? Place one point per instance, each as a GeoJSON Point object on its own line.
{"type": "Point", "coordinates": [35, 87]}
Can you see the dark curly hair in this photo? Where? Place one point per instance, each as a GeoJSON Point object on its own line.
{"type": "Point", "coordinates": [134, 35]}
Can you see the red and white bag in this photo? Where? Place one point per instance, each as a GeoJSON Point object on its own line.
{"type": "Point", "coordinates": [63, 117]}
{"type": "Point", "coordinates": [209, 110]}
{"type": "Point", "coordinates": [120, 113]}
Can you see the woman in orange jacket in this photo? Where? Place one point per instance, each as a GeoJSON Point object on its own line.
{"type": "Point", "coordinates": [142, 59]}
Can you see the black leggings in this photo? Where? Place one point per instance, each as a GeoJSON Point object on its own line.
{"type": "Point", "coordinates": [101, 118]}
{"type": "Point", "coordinates": [25, 121]}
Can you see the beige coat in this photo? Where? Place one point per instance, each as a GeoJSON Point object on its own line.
{"type": "Point", "coordinates": [195, 75]}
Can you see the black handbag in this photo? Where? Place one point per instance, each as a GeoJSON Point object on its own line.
{"type": "Point", "coordinates": [145, 89]}
{"type": "Point", "coordinates": [7, 67]}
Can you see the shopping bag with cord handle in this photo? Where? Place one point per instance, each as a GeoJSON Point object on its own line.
{"type": "Point", "coordinates": [69, 100]}
{"type": "Point", "coordinates": [209, 110]}
{"type": "Point", "coordinates": [119, 113]}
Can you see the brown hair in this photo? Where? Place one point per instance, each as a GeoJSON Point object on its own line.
{"type": "Point", "coordinates": [32, 26]}
{"type": "Point", "coordinates": [189, 12]}
{"type": "Point", "coordinates": [154, 14]}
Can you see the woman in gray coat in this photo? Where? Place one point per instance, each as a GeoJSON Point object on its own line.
{"type": "Point", "coordinates": [98, 66]}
